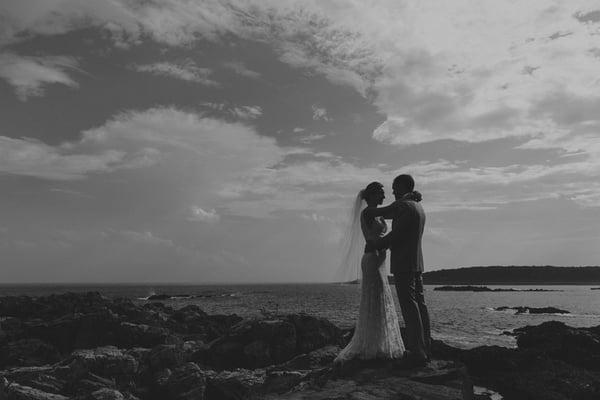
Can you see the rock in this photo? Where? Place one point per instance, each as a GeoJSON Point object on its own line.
{"type": "Point", "coordinates": [192, 320]}
{"type": "Point", "coordinates": [77, 331]}
{"type": "Point", "coordinates": [577, 346]}
{"type": "Point", "coordinates": [470, 288]}
{"type": "Point", "coordinates": [41, 378]}
{"type": "Point", "coordinates": [533, 310]}
{"type": "Point", "coordinates": [186, 382]}
{"type": "Point", "coordinates": [105, 394]}
{"type": "Point", "coordinates": [19, 392]}
{"type": "Point", "coordinates": [52, 306]}
{"type": "Point", "coordinates": [254, 344]}
{"type": "Point", "coordinates": [27, 352]}
{"type": "Point", "coordinates": [10, 329]}
{"type": "Point", "coordinates": [89, 383]}
{"type": "Point", "coordinates": [107, 361]}
{"type": "Point", "coordinates": [313, 333]}
{"type": "Point", "coordinates": [165, 356]}
{"type": "Point", "coordinates": [384, 387]}
{"type": "Point", "coordinates": [283, 381]}
{"type": "Point", "coordinates": [235, 385]}
{"type": "Point", "coordinates": [313, 360]}
{"type": "Point", "coordinates": [140, 335]}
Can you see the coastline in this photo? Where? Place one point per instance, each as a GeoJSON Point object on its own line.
{"type": "Point", "coordinates": [90, 347]}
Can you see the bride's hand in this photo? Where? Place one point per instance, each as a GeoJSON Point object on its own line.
{"type": "Point", "coordinates": [415, 195]}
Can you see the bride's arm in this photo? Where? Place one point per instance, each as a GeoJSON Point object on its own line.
{"type": "Point", "coordinates": [387, 212]}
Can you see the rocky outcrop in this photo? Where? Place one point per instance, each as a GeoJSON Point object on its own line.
{"type": "Point", "coordinates": [258, 343]}
{"type": "Point", "coordinates": [533, 310]}
{"type": "Point", "coordinates": [87, 347]}
{"type": "Point", "coordinates": [470, 288]}
{"type": "Point", "coordinates": [552, 361]}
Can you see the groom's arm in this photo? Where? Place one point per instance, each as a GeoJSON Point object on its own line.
{"type": "Point", "coordinates": [386, 241]}
{"type": "Point", "coordinates": [388, 212]}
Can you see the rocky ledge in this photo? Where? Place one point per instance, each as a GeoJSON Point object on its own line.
{"type": "Point", "coordinates": [470, 288]}
{"type": "Point", "coordinates": [88, 347]}
{"type": "Point", "coordinates": [533, 310]}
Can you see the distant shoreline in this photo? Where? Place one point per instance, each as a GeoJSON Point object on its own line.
{"type": "Point", "coordinates": [515, 275]}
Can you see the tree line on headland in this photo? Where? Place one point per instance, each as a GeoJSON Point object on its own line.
{"type": "Point", "coordinates": [550, 275]}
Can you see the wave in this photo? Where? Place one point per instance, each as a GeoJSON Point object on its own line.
{"type": "Point", "coordinates": [163, 296]}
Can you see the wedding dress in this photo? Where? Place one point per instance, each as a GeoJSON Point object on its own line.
{"type": "Point", "coordinates": [377, 332]}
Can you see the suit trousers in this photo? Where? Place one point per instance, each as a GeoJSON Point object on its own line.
{"type": "Point", "coordinates": [409, 287]}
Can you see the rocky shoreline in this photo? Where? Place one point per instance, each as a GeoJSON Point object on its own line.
{"type": "Point", "coordinates": [470, 288]}
{"type": "Point", "coordinates": [88, 347]}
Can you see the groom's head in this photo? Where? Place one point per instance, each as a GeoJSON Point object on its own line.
{"type": "Point", "coordinates": [403, 184]}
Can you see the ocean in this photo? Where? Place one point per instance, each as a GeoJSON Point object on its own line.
{"type": "Point", "coordinates": [461, 319]}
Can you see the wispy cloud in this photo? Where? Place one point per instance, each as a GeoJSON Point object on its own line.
{"type": "Point", "coordinates": [200, 215]}
{"type": "Point", "coordinates": [33, 158]}
{"type": "Point", "coordinates": [320, 113]}
{"type": "Point", "coordinates": [240, 112]}
{"type": "Point", "coordinates": [240, 68]}
{"type": "Point", "coordinates": [186, 71]}
{"type": "Point", "coordinates": [30, 75]}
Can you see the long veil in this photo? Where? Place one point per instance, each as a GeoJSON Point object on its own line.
{"type": "Point", "coordinates": [352, 243]}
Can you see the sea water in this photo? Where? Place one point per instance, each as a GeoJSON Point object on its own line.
{"type": "Point", "coordinates": [462, 319]}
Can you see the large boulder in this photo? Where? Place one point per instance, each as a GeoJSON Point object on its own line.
{"type": "Point", "coordinates": [27, 352]}
{"type": "Point", "coordinates": [192, 320]}
{"type": "Point", "coordinates": [313, 333]}
{"type": "Point", "coordinates": [240, 384]}
{"type": "Point", "coordinates": [186, 382]}
{"type": "Point", "coordinates": [577, 346]}
{"type": "Point", "coordinates": [76, 331]}
{"type": "Point", "coordinates": [42, 378]}
{"type": "Point", "coordinates": [263, 342]}
{"type": "Point", "coordinates": [107, 361]}
{"type": "Point", "coordinates": [105, 394]}
{"type": "Point", "coordinates": [309, 361]}
{"type": "Point", "coordinates": [52, 306]}
{"type": "Point", "coordinates": [14, 391]}
{"type": "Point", "coordinates": [165, 356]}
{"type": "Point", "coordinates": [140, 335]}
{"type": "Point", "coordinates": [254, 344]}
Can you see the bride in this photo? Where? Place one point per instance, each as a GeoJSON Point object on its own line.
{"type": "Point", "coordinates": [377, 332]}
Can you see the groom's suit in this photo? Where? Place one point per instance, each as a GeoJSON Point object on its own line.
{"type": "Point", "coordinates": [406, 263]}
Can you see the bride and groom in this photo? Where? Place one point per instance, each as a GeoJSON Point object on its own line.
{"type": "Point", "coordinates": [377, 331]}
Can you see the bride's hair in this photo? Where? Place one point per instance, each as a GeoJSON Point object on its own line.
{"type": "Point", "coordinates": [352, 243]}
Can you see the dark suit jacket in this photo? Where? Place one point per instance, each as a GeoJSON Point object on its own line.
{"type": "Point", "coordinates": [404, 241]}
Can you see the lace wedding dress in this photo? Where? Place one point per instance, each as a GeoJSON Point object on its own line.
{"type": "Point", "coordinates": [377, 332]}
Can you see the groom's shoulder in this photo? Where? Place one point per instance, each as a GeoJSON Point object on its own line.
{"type": "Point", "coordinates": [406, 204]}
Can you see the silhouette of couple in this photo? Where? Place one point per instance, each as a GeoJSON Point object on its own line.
{"type": "Point", "coordinates": [377, 331]}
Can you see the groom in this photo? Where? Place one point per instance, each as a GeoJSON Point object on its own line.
{"type": "Point", "coordinates": [404, 242]}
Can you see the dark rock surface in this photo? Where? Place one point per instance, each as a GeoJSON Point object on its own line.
{"type": "Point", "coordinates": [88, 347]}
{"type": "Point", "coordinates": [552, 361]}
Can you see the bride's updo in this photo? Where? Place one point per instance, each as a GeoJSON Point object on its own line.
{"type": "Point", "coordinates": [371, 188]}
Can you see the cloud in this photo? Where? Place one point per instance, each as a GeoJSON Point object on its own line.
{"type": "Point", "coordinates": [186, 71]}
{"type": "Point", "coordinates": [198, 214]}
{"type": "Point", "coordinates": [138, 139]}
{"type": "Point", "coordinates": [247, 112]}
{"type": "Point", "coordinates": [239, 112]}
{"type": "Point", "coordinates": [30, 75]}
{"type": "Point", "coordinates": [311, 138]}
{"type": "Point", "coordinates": [240, 68]}
{"type": "Point", "coordinates": [31, 157]}
{"type": "Point", "coordinates": [320, 113]}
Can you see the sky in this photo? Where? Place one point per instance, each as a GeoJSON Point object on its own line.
{"type": "Point", "coordinates": [225, 140]}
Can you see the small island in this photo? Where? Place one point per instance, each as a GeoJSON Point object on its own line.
{"type": "Point", "coordinates": [470, 288]}
{"type": "Point", "coordinates": [515, 275]}
{"type": "Point", "coordinates": [533, 310]}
